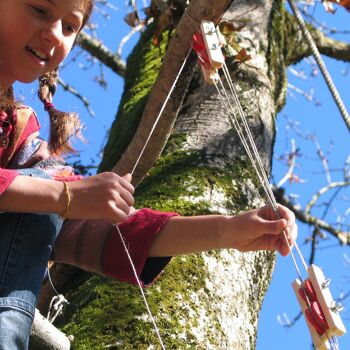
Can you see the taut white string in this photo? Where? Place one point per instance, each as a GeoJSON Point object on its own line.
{"type": "Point", "coordinates": [160, 112]}
{"type": "Point", "coordinates": [253, 154]}
{"type": "Point", "coordinates": [141, 289]}
{"type": "Point", "coordinates": [256, 161]}
{"type": "Point", "coordinates": [132, 172]}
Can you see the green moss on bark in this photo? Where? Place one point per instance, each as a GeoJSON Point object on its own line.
{"type": "Point", "coordinates": [192, 182]}
{"type": "Point", "coordinates": [141, 73]}
{"type": "Point", "coordinates": [277, 51]}
{"type": "Point", "coordinates": [106, 312]}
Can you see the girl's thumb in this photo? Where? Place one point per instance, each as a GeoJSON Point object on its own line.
{"type": "Point", "coordinates": [127, 177]}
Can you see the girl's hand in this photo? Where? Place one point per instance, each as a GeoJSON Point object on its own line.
{"type": "Point", "coordinates": [259, 229]}
{"type": "Point", "coordinates": [103, 196]}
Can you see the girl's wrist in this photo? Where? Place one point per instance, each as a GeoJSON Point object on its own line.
{"type": "Point", "coordinates": [60, 198]}
{"type": "Point", "coordinates": [226, 231]}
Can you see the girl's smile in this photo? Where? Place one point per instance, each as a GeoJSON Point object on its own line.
{"type": "Point", "coordinates": [36, 36]}
{"type": "Point", "coordinates": [38, 54]}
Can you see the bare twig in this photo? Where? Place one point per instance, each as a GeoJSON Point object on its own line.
{"type": "Point", "coordinates": [342, 236]}
{"type": "Point", "coordinates": [323, 159]}
{"type": "Point", "coordinates": [323, 191]}
{"type": "Point", "coordinates": [291, 161]}
{"type": "Point", "coordinates": [308, 95]}
{"type": "Point", "coordinates": [70, 89]}
{"type": "Point", "coordinates": [133, 31]}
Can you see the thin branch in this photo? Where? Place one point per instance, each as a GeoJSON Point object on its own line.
{"type": "Point", "coordinates": [323, 159]}
{"type": "Point", "coordinates": [337, 49]}
{"type": "Point", "coordinates": [342, 236]}
{"type": "Point", "coordinates": [133, 31]}
{"type": "Point", "coordinates": [291, 161]}
{"type": "Point", "coordinates": [97, 49]}
{"type": "Point", "coordinates": [309, 96]}
{"type": "Point", "coordinates": [322, 191]}
{"type": "Point", "coordinates": [70, 89]}
{"type": "Point", "coordinates": [323, 27]}
{"type": "Point", "coordinates": [290, 324]}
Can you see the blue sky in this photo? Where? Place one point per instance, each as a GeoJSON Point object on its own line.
{"type": "Point", "coordinates": [323, 120]}
{"type": "Point", "coordinates": [326, 123]}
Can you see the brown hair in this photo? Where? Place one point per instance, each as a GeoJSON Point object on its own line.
{"type": "Point", "coordinates": [63, 125]}
{"type": "Point", "coordinates": [88, 7]}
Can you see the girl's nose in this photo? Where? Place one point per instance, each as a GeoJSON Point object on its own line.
{"type": "Point", "coordinates": [54, 33]}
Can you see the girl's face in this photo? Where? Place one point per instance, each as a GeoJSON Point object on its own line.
{"type": "Point", "coordinates": [36, 36]}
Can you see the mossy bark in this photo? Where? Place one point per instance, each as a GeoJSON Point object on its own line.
{"type": "Point", "coordinates": [210, 300]}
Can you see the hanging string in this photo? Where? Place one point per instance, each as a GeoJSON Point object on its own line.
{"type": "Point", "coordinates": [132, 172]}
{"type": "Point", "coordinates": [248, 142]}
{"type": "Point", "coordinates": [57, 302]}
{"type": "Point", "coordinates": [234, 122]}
{"type": "Point", "coordinates": [339, 102]}
{"type": "Point", "coordinates": [141, 289]}
{"type": "Point", "coordinates": [160, 112]}
{"type": "Point", "coordinates": [254, 156]}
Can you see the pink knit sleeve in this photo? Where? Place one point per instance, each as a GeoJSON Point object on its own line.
{"type": "Point", "coordinates": [6, 178]}
{"type": "Point", "coordinates": [138, 233]}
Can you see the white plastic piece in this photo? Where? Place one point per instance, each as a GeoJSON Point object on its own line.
{"type": "Point", "coordinates": [213, 44]}
{"type": "Point", "coordinates": [324, 297]}
{"type": "Point", "coordinates": [320, 342]}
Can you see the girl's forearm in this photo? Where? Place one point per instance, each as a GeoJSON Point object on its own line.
{"type": "Point", "coordinates": [30, 194]}
{"type": "Point", "coordinates": [182, 235]}
{"type": "Point", "coordinates": [103, 196]}
{"type": "Point", "coordinates": [257, 229]}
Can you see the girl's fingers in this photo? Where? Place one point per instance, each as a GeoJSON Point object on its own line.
{"type": "Point", "coordinates": [120, 205]}
{"type": "Point", "coordinates": [292, 233]}
{"type": "Point", "coordinates": [286, 214]}
{"type": "Point", "coordinates": [127, 197]}
{"type": "Point", "coordinates": [125, 181]}
{"type": "Point", "coordinates": [277, 242]}
{"type": "Point", "coordinates": [267, 242]}
{"type": "Point", "coordinates": [275, 227]}
{"type": "Point", "coordinates": [120, 216]}
{"type": "Point", "coordinates": [282, 246]}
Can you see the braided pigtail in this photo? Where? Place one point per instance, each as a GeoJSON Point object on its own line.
{"type": "Point", "coordinates": [62, 125]}
{"type": "Point", "coordinates": [7, 99]}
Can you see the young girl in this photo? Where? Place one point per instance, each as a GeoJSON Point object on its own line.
{"type": "Point", "coordinates": [35, 37]}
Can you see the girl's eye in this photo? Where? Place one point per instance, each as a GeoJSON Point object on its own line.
{"type": "Point", "coordinates": [39, 11]}
{"type": "Point", "coordinates": [70, 28]}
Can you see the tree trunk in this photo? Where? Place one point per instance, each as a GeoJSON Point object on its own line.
{"type": "Point", "coordinates": [210, 300]}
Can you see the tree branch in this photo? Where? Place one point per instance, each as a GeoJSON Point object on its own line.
{"type": "Point", "coordinates": [45, 336]}
{"type": "Point", "coordinates": [327, 46]}
{"type": "Point", "coordinates": [332, 48]}
{"type": "Point", "coordinates": [102, 53]}
{"type": "Point", "coordinates": [301, 215]}
{"type": "Point", "coordinates": [322, 191]}
{"type": "Point", "coordinates": [177, 51]}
